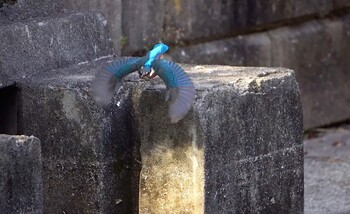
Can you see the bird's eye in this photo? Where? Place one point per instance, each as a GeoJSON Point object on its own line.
{"type": "Point", "coordinates": [139, 72]}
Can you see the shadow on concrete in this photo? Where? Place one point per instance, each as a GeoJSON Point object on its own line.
{"type": "Point", "coordinates": [9, 110]}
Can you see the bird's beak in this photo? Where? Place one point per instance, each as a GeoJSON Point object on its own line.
{"type": "Point", "coordinates": [152, 74]}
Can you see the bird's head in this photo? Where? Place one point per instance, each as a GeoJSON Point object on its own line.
{"type": "Point", "coordinates": [146, 72]}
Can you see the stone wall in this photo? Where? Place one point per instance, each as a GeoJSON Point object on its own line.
{"type": "Point", "coordinates": [113, 12]}
{"type": "Point", "coordinates": [238, 150]}
{"type": "Point", "coordinates": [129, 158]}
{"type": "Point", "coordinates": [310, 37]}
{"type": "Point", "coordinates": [227, 155]}
{"type": "Point", "coordinates": [21, 186]}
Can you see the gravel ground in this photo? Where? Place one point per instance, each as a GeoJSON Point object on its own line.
{"type": "Point", "coordinates": [327, 171]}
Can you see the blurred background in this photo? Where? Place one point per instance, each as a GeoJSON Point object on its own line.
{"type": "Point", "coordinates": [310, 37]}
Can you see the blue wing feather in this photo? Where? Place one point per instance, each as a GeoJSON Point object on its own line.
{"type": "Point", "coordinates": [171, 73]}
{"type": "Point", "coordinates": [182, 91]}
{"type": "Point", "coordinates": [108, 79]}
{"type": "Point", "coordinates": [123, 67]}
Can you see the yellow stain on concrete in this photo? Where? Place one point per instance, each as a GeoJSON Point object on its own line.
{"type": "Point", "coordinates": [172, 178]}
{"type": "Point", "coordinates": [178, 7]}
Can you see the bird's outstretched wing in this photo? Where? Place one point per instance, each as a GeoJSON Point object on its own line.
{"type": "Point", "coordinates": [180, 89]}
{"type": "Point", "coordinates": [108, 79]}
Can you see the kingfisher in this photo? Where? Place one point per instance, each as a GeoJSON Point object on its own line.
{"type": "Point", "coordinates": [180, 90]}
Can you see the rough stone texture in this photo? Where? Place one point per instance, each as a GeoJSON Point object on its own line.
{"type": "Point", "coordinates": [208, 24]}
{"type": "Point", "coordinates": [318, 52]}
{"type": "Point", "coordinates": [86, 150]}
{"type": "Point", "coordinates": [51, 43]}
{"type": "Point", "coordinates": [252, 50]}
{"type": "Point", "coordinates": [21, 175]}
{"type": "Point", "coordinates": [26, 9]}
{"type": "Point", "coordinates": [341, 4]}
{"type": "Point", "coordinates": [91, 155]}
{"type": "Point", "coordinates": [238, 151]}
{"type": "Point", "coordinates": [113, 12]}
{"type": "Point", "coordinates": [327, 177]}
{"type": "Point", "coordinates": [181, 22]}
{"type": "Point", "coordinates": [145, 22]}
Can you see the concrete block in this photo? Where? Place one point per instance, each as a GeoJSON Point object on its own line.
{"type": "Point", "coordinates": [112, 9]}
{"type": "Point", "coordinates": [21, 175]}
{"type": "Point", "coordinates": [239, 150]}
{"type": "Point", "coordinates": [91, 156]}
{"type": "Point", "coordinates": [50, 43]}
{"type": "Point", "coordinates": [318, 52]}
{"type": "Point", "coordinates": [342, 35]}
{"type": "Point", "coordinates": [26, 9]}
{"type": "Point", "coordinates": [339, 4]}
{"type": "Point", "coordinates": [86, 150]}
{"type": "Point", "coordinates": [248, 50]}
{"type": "Point", "coordinates": [186, 22]}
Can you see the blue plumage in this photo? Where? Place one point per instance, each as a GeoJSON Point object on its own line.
{"type": "Point", "coordinates": [121, 68]}
{"type": "Point", "coordinates": [180, 89]}
{"type": "Point", "coordinates": [155, 53]}
{"type": "Point", "coordinates": [171, 73]}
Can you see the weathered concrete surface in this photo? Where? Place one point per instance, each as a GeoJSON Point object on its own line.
{"type": "Point", "coordinates": [327, 177]}
{"type": "Point", "coordinates": [252, 50]}
{"type": "Point", "coordinates": [316, 50]}
{"type": "Point", "coordinates": [21, 175]}
{"type": "Point", "coordinates": [50, 43]}
{"type": "Point", "coordinates": [340, 4]}
{"type": "Point", "coordinates": [25, 9]}
{"type": "Point", "coordinates": [112, 9]}
{"type": "Point", "coordinates": [175, 22]}
{"type": "Point", "coordinates": [91, 155]}
{"type": "Point", "coordinates": [238, 151]}
{"type": "Point", "coordinates": [86, 150]}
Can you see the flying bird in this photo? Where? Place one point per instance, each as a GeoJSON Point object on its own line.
{"type": "Point", "coordinates": [180, 91]}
